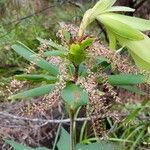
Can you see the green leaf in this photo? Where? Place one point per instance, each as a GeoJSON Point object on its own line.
{"type": "Point", "coordinates": [137, 23]}
{"type": "Point", "coordinates": [42, 148]}
{"type": "Point", "coordinates": [51, 43]}
{"type": "Point", "coordinates": [96, 146]}
{"type": "Point", "coordinates": [112, 39]}
{"type": "Point", "coordinates": [139, 51]}
{"type": "Point", "coordinates": [120, 8]}
{"type": "Point", "coordinates": [91, 14]}
{"type": "Point", "coordinates": [64, 141]}
{"type": "Point", "coordinates": [54, 53]}
{"type": "Point", "coordinates": [74, 96]}
{"type": "Point", "coordinates": [132, 89]}
{"type": "Point", "coordinates": [119, 28]}
{"type": "Point", "coordinates": [135, 112]}
{"type": "Point", "coordinates": [141, 63]}
{"type": "Point", "coordinates": [36, 77]}
{"type": "Point", "coordinates": [18, 146]}
{"type": "Point", "coordinates": [66, 36]}
{"type": "Point", "coordinates": [42, 90]}
{"type": "Point", "coordinates": [31, 56]}
{"type": "Point", "coordinates": [86, 43]}
{"type": "Point", "coordinates": [82, 70]}
{"type": "Point", "coordinates": [126, 79]}
{"type": "Point", "coordinates": [76, 54]}
{"type": "Point", "coordinates": [74, 49]}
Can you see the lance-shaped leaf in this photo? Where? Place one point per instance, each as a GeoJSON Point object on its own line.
{"type": "Point", "coordinates": [74, 96]}
{"type": "Point", "coordinates": [54, 53]}
{"type": "Point", "coordinates": [119, 28]}
{"type": "Point", "coordinates": [120, 8]}
{"type": "Point", "coordinates": [126, 79]}
{"type": "Point", "coordinates": [91, 14]}
{"type": "Point", "coordinates": [39, 91]}
{"type": "Point", "coordinates": [86, 43]}
{"type": "Point", "coordinates": [31, 56]}
{"type": "Point", "coordinates": [51, 43]}
{"type": "Point", "coordinates": [132, 89]}
{"type": "Point", "coordinates": [137, 23]}
{"type": "Point", "coordinates": [112, 39]}
{"type": "Point", "coordinates": [97, 146]}
{"type": "Point", "coordinates": [36, 77]}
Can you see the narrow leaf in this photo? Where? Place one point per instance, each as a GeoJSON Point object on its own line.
{"type": "Point", "coordinates": [112, 40]}
{"type": "Point", "coordinates": [126, 79]}
{"type": "Point", "coordinates": [31, 56]}
{"type": "Point", "coordinates": [51, 43]}
{"type": "Point", "coordinates": [36, 77]}
{"type": "Point", "coordinates": [54, 53]}
{"type": "Point", "coordinates": [96, 146]}
{"type": "Point", "coordinates": [120, 8]}
{"type": "Point", "coordinates": [132, 89]}
{"type": "Point", "coordinates": [42, 90]}
{"type": "Point", "coordinates": [135, 112]}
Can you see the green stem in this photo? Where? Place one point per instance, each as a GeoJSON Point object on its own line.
{"type": "Point", "coordinates": [72, 115]}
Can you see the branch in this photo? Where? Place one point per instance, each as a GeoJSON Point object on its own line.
{"type": "Point", "coordinates": [42, 120]}
{"type": "Point", "coordinates": [60, 120]}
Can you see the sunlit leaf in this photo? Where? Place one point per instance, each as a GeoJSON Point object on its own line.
{"type": "Point", "coordinates": [39, 91]}
{"type": "Point", "coordinates": [119, 28]}
{"type": "Point", "coordinates": [76, 54]}
{"type": "Point", "coordinates": [31, 56]}
{"type": "Point", "coordinates": [137, 23]}
{"type": "Point", "coordinates": [120, 8]}
{"type": "Point", "coordinates": [139, 51]}
{"type": "Point", "coordinates": [112, 39]}
{"type": "Point", "coordinates": [86, 43]}
{"type": "Point", "coordinates": [91, 14]}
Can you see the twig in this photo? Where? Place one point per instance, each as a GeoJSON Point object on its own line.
{"type": "Point", "coordinates": [42, 120]}
{"type": "Point", "coordinates": [59, 120]}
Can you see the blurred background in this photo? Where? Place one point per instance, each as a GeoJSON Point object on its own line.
{"type": "Point", "coordinates": [24, 20]}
